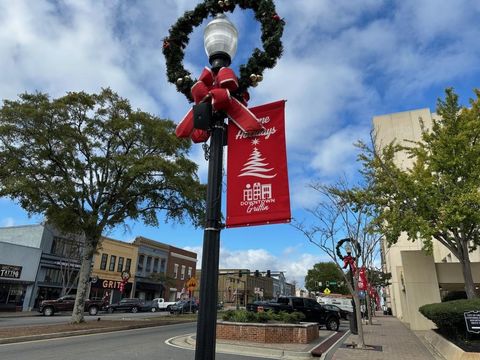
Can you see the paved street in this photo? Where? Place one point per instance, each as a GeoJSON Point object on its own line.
{"type": "Point", "coordinates": [39, 319]}
{"type": "Point", "coordinates": [142, 344]}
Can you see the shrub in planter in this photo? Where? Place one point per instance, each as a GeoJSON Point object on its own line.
{"type": "Point", "coordinates": [448, 316]}
{"type": "Point", "coordinates": [293, 318]}
{"type": "Point", "coordinates": [228, 315]}
{"type": "Point", "coordinates": [264, 316]}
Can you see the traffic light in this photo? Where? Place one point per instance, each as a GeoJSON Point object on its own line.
{"type": "Point", "coordinates": [268, 273]}
{"type": "Point", "coordinates": [257, 273]}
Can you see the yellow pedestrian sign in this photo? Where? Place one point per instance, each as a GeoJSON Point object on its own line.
{"type": "Point", "coordinates": [327, 291]}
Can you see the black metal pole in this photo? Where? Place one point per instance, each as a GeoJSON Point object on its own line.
{"type": "Point", "coordinates": [353, 322]}
{"type": "Point", "coordinates": [207, 315]}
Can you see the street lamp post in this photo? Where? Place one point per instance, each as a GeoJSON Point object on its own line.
{"type": "Point", "coordinates": [353, 322]}
{"type": "Point", "coordinates": [350, 260]}
{"type": "Point", "coordinates": [220, 40]}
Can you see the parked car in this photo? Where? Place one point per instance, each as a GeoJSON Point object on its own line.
{"type": "Point", "coordinates": [66, 303]}
{"type": "Point", "coordinates": [312, 310]}
{"type": "Point", "coordinates": [184, 306]}
{"type": "Point", "coordinates": [159, 304]}
{"type": "Point", "coordinates": [344, 314]}
{"type": "Point", "coordinates": [133, 305]}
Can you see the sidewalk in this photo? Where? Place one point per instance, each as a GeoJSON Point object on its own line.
{"type": "Point", "coordinates": [12, 314]}
{"type": "Point", "coordinates": [396, 340]}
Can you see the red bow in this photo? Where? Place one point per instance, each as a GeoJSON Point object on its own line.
{"type": "Point", "coordinates": [350, 260]}
{"type": "Point", "coordinates": [217, 88]}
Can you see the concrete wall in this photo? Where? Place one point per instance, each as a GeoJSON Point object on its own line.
{"type": "Point", "coordinates": [30, 235]}
{"type": "Point", "coordinates": [421, 287]}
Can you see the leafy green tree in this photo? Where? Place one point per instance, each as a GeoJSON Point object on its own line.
{"type": "Point", "coordinates": [88, 162]}
{"type": "Point", "coordinates": [437, 197]}
{"type": "Point", "coordinates": [323, 272]}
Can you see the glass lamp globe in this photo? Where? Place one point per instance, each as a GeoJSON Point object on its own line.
{"type": "Point", "coordinates": [348, 248]}
{"type": "Point", "coordinates": [220, 40]}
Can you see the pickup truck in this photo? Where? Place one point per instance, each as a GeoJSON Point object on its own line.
{"type": "Point", "coordinates": [160, 304]}
{"type": "Point", "coordinates": [312, 310]}
{"type": "Point", "coordinates": [66, 303]}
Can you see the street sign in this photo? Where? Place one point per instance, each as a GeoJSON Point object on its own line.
{"type": "Point", "coordinates": [327, 291]}
{"type": "Point", "coordinates": [192, 282]}
{"type": "Point", "coordinates": [333, 283]}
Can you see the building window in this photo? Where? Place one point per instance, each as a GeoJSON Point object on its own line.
{"type": "Point", "coordinates": [120, 264]}
{"type": "Point", "coordinates": [148, 268]}
{"type": "Point", "coordinates": [155, 265]}
{"type": "Point", "coordinates": [103, 263]}
{"type": "Point", "coordinates": [189, 272]}
{"type": "Point", "coordinates": [66, 247]}
{"type": "Point", "coordinates": [162, 265]}
{"type": "Point", "coordinates": [113, 259]}
{"type": "Point", "coordinates": [53, 276]}
{"type": "Point", "coordinates": [141, 258]}
{"type": "Point", "coordinates": [175, 271]}
{"type": "Point", "coordinates": [182, 275]}
{"type": "Point", "coordinates": [128, 263]}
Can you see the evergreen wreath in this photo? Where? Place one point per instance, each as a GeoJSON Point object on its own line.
{"type": "Point", "coordinates": [352, 242]}
{"type": "Point", "coordinates": [251, 73]}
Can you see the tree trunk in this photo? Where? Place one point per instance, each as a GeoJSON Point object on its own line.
{"type": "Point", "coordinates": [83, 280]}
{"type": "Point", "coordinates": [358, 314]}
{"type": "Point", "coordinates": [467, 272]}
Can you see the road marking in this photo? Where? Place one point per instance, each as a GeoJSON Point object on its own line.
{"type": "Point", "coordinates": [170, 341]}
{"type": "Point", "coordinates": [86, 335]}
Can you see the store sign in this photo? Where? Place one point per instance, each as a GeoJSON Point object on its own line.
{"type": "Point", "coordinates": [10, 271]}
{"type": "Point", "coordinates": [111, 284]}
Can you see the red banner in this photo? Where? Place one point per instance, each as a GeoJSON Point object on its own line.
{"type": "Point", "coordinates": [362, 279]}
{"type": "Point", "coordinates": [257, 176]}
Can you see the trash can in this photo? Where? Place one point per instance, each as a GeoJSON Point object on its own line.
{"type": "Point", "coordinates": [353, 324]}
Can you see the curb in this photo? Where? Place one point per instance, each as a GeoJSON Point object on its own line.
{"type": "Point", "coordinates": [22, 339]}
{"type": "Point", "coordinates": [245, 350]}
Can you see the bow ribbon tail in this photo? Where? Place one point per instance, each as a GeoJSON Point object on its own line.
{"type": "Point", "coordinates": [243, 117]}
{"type": "Point", "coordinates": [185, 129]}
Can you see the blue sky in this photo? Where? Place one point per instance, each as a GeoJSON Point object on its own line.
{"type": "Point", "coordinates": [344, 62]}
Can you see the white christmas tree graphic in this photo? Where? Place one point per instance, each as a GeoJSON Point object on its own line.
{"type": "Point", "coordinates": [256, 166]}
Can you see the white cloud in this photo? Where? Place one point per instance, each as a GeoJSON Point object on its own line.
{"type": "Point", "coordinates": [8, 221]}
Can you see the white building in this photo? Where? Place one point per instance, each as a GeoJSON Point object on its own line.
{"type": "Point", "coordinates": [417, 278]}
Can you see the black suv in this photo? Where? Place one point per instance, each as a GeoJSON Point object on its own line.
{"type": "Point", "coordinates": [132, 305]}
{"type": "Point", "coordinates": [184, 306]}
{"type": "Point", "coordinates": [312, 310]}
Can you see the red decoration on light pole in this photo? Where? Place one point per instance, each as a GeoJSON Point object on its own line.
{"type": "Point", "coordinates": [217, 89]}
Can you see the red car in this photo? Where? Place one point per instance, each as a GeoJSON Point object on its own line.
{"type": "Point", "coordinates": [66, 303]}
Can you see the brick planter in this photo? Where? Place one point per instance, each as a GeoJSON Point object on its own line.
{"type": "Point", "coordinates": [303, 333]}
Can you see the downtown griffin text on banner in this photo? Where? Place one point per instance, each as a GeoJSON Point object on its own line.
{"type": "Point", "coordinates": [257, 176]}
